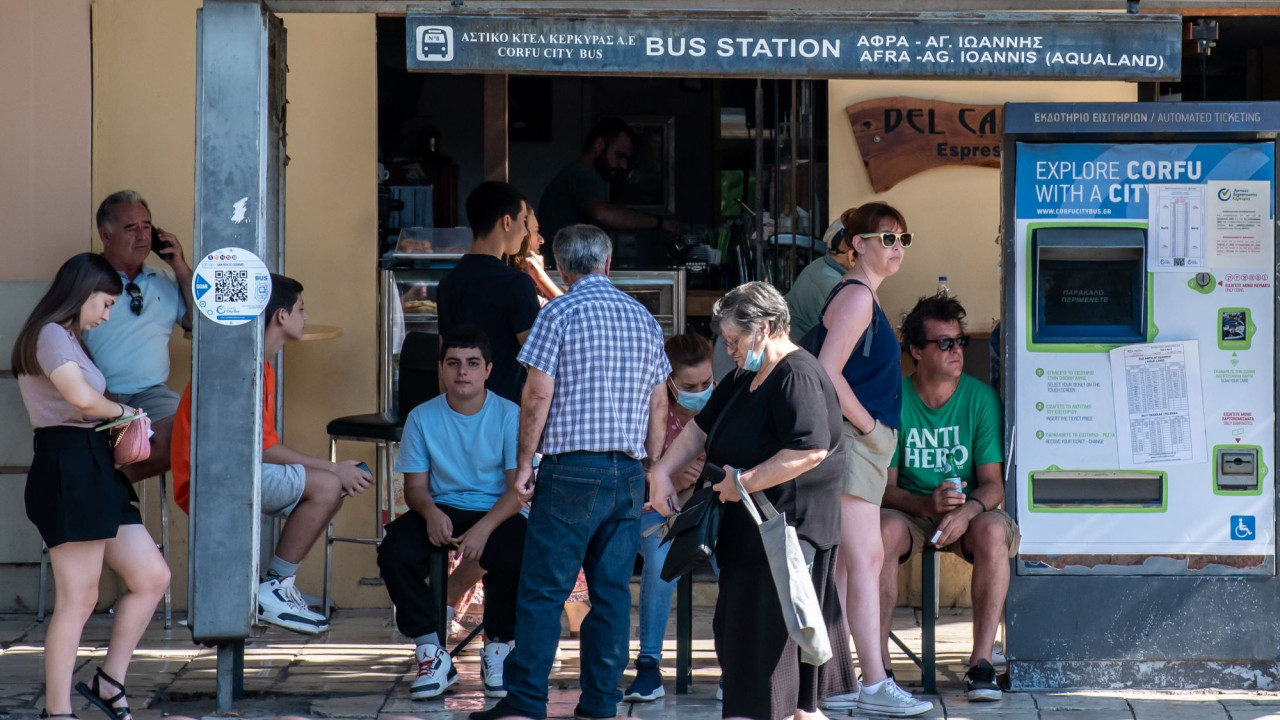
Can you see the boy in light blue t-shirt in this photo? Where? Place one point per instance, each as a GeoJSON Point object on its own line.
{"type": "Point", "coordinates": [458, 455]}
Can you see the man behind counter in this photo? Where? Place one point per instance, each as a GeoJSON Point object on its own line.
{"type": "Point", "coordinates": [580, 192]}
{"type": "Point", "coordinates": [485, 292]}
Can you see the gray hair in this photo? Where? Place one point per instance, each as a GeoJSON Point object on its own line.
{"type": "Point", "coordinates": [107, 210]}
{"type": "Point", "coordinates": [752, 306]}
{"type": "Point", "coordinates": [581, 249]}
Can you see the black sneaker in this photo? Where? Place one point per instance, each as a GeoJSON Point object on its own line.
{"type": "Point", "coordinates": [980, 683]}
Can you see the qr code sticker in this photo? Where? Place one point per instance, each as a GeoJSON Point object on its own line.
{"type": "Point", "coordinates": [1179, 262]}
{"type": "Point", "coordinates": [231, 286]}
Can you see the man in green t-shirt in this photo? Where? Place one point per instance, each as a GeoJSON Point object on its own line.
{"type": "Point", "coordinates": [580, 192]}
{"type": "Point", "coordinates": [946, 479]}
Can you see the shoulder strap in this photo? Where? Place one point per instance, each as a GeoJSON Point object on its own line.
{"type": "Point", "coordinates": [870, 333]}
{"type": "Point", "coordinates": [723, 412]}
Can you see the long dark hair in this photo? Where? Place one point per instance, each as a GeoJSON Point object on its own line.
{"type": "Point", "coordinates": [78, 278]}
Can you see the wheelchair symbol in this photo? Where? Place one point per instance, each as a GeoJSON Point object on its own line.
{"type": "Point", "coordinates": [1242, 527]}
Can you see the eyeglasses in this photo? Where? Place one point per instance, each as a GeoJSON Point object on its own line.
{"type": "Point", "coordinates": [888, 239]}
{"type": "Point", "coordinates": [946, 343]}
{"type": "Point", "coordinates": [732, 345]}
{"type": "Point", "coordinates": [135, 297]}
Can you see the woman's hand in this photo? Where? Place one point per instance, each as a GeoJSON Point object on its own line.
{"type": "Point", "coordinates": [727, 490]}
{"type": "Point", "coordinates": [689, 475]}
{"type": "Point", "coordinates": [662, 494]}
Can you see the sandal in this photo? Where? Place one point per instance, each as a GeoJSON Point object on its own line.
{"type": "Point", "coordinates": [94, 694]}
{"type": "Point", "coordinates": [45, 714]}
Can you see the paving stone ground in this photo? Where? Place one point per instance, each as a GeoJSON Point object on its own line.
{"type": "Point", "coordinates": [362, 668]}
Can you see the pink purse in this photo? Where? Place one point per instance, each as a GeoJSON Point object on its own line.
{"type": "Point", "coordinates": [131, 442]}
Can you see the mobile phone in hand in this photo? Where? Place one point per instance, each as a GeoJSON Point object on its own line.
{"type": "Point", "coordinates": [156, 243]}
{"type": "Point", "coordinates": [364, 467]}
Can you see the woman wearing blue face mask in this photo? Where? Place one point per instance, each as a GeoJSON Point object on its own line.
{"type": "Point", "coordinates": [689, 387]}
{"type": "Point", "coordinates": [777, 421]}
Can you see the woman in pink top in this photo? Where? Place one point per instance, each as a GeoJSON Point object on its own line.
{"type": "Point", "coordinates": [688, 388]}
{"type": "Point", "coordinates": [83, 508]}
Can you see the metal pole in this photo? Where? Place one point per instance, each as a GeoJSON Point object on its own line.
{"type": "Point", "coordinates": [794, 202]}
{"type": "Point", "coordinates": [759, 200]}
{"type": "Point", "coordinates": [234, 208]}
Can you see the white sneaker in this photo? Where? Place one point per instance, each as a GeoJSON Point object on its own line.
{"type": "Point", "coordinates": [280, 603]}
{"type": "Point", "coordinates": [889, 699]}
{"type": "Point", "coordinates": [846, 701]}
{"type": "Point", "coordinates": [435, 673]}
{"type": "Point", "coordinates": [492, 659]}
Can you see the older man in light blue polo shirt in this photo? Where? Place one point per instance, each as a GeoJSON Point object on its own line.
{"type": "Point", "coordinates": [132, 348]}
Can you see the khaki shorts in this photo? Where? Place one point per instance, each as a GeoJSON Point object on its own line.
{"type": "Point", "coordinates": [867, 460]}
{"type": "Point", "coordinates": [922, 528]}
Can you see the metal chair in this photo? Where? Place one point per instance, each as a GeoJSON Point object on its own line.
{"type": "Point", "coordinates": [419, 382]}
{"type": "Point", "coordinates": [163, 545]}
{"type": "Point", "coordinates": [927, 660]}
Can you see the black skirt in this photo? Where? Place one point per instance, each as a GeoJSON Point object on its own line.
{"type": "Point", "coordinates": [74, 493]}
{"type": "Point", "coordinates": [761, 669]}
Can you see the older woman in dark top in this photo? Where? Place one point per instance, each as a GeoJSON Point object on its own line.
{"type": "Point", "coordinates": [779, 423]}
{"type": "Point", "coordinates": [81, 505]}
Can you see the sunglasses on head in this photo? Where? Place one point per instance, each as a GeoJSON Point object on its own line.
{"type": "Point", "coordinates": [135, 297]}
{"type": "Point", "coordinates": [945, 343]}
{"type": "Point", "coordinates": [888, 239]}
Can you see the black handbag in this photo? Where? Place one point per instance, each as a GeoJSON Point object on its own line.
{"type": "Point", "coordinates": [692, 532]}
{"type": "Point", "coordinates": [694, 529]}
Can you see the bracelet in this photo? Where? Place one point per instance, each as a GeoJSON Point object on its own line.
{"type": "Point", "coordinates": [979, 501]}
{"type": "Point", "coordinates": [122, 411]}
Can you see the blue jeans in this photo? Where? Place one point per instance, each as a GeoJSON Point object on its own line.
{"type": "Point", "coordinates": [655, 593]}
{"type": "Point", "coordinates": [585, 513]}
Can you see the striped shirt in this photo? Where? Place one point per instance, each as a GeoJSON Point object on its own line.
{"type": "Point", "coordinates": [604, 351]}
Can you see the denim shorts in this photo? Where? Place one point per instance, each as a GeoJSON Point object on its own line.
{"type": "Point", "coordinates": [282, 487]}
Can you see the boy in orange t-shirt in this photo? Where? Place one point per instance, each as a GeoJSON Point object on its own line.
{"type": "Point", "coordinates": [308, 490]}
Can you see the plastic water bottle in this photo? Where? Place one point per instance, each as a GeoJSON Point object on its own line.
{"type": "Point", "coordinates": [943, 290]}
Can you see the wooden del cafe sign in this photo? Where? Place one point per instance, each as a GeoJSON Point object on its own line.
{"type": "Point", "coordinates": [901, 136]}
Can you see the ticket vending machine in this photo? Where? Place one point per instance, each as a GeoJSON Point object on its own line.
{"type": "Point", "coordinates": [1140, 352]}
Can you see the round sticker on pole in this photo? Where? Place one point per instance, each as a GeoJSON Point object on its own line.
{"type": "Point", "coordinates": [231, 286]}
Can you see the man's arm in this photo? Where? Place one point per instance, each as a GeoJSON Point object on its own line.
{"type": "Point", "coordinates": [535, 405]}
{"type": "Point", "coordinates": [181, 273]}
{"type": "Point", "coordinates": [990, 492]}
{"type": "Point", "coordinates": [895, 498]}
{"type": "Point", "coordinates": [617, 217]}
{"type": "Point", "coordinates": [353, 479]}
{"type": "Point", "coordinates": [417, 495]}
{"type": "Point", "coordinates": [471, 543]}
{"type": "Point", "coordinates": [657, 434]}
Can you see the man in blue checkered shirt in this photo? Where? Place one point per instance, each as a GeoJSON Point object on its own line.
{"type": "Point", "coordinates": [595, 406]}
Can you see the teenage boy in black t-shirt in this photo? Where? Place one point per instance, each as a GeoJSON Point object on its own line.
{"type": "Point", "coordinates": [486, 292]}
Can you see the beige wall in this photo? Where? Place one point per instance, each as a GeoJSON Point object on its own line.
{"type": "Point", "coordinates": [954, 210]}
{"type": "Point", "coordinates": [144, 127]}
{"type": "Point", "coordinates": [44, 135]}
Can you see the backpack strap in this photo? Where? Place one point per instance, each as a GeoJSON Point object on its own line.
{"type": "Point", "coordinates": [870, 333]}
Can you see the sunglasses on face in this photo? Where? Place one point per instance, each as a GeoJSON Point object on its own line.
{"type": "Point", "coordinates": [135, 298]}
{"type": "Point", "coordinates": [888, 239]}
{"type": "Point", "coordinates": [946, 343]}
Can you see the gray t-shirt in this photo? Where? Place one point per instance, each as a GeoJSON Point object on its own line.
{"type": "Point", "coordinates": [565, 200]}
{"type": "Point", "coordinates": [55, 347]}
